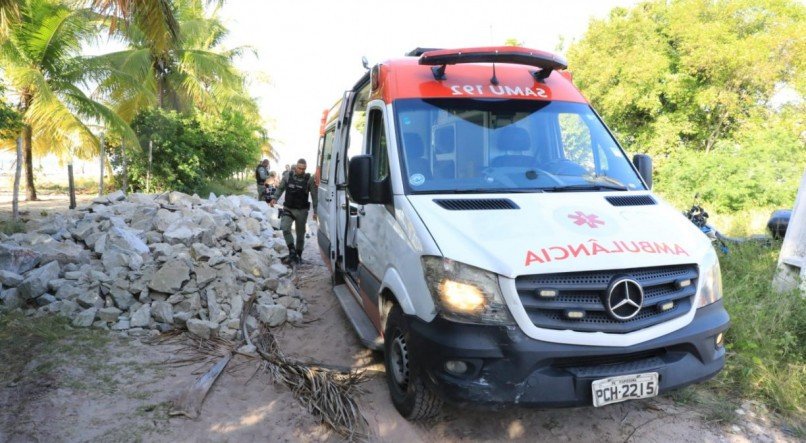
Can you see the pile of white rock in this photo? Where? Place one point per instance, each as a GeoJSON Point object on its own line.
{"type": "Point", "coordinates": [141, 262]}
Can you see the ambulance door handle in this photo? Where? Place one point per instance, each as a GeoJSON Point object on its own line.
{"type": "Point", "coordinates": [361, 211]}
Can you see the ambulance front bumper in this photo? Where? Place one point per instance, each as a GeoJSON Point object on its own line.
{"type": "Point", "coordinates": [505, 367]}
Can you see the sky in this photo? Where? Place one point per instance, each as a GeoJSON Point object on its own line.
{"type": "Point", "coordinates": [309, 53]}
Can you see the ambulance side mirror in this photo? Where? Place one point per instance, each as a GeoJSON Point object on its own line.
{"type": "Point", "coordinates": [643, 163]}
{"type": "Point", "coordinates": [358, 178]}
{"type": "Point", "coordinates": [362, 188]}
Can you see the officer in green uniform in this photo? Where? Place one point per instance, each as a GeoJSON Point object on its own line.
{"type": "Point", "coordinates": [296, 185]}
{"type": "Point", "coordinates": [261, 174]}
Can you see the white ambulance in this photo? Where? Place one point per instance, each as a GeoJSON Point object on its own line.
{"type": "Point", "coordinates": [485, 230]}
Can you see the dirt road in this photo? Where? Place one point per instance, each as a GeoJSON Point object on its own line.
{"type": "Point", "coordinates": [118, 390]}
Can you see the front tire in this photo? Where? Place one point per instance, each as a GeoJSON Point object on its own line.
{"type": "Point", "coordinates": [411, 397]}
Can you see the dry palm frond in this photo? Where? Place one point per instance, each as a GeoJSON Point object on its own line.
{"type": "Point", "coordinates": [191, 349]}
{"type": "Point", "coordinates": [325, 390]}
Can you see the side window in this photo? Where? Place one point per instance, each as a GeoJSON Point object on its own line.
{"type": "Point", "coordinates": [576, 140]}
{"type": "Point", "coordinates": [327, 153]}
{"type": "Point", "coordinates": [358, 124]}
{"type": "Point", "coordinates": [378, 146]}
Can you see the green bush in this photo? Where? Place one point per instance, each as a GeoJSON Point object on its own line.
{"type": "Point", "coordinates": [189, 151]}
{"type": "Point", "coordinates": [762, 169]}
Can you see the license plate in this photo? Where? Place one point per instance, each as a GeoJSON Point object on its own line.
{"type": "Point", "coordinates": [624, 387]}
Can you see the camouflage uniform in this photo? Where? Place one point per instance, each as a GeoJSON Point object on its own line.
{"type": "Point", "coordinates": [296, 207]}
{"type": "Point", "coordinates": [261, 174]}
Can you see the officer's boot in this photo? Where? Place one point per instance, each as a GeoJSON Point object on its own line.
{"type": "Point", "coordinates": [299, 255]}
{"type": "Point", "coordinates": [292, 256]}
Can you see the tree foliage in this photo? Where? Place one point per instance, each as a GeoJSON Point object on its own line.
{"type": "Point", "coordinates": [10, 121]}
{"type": "Point", "coordinates": [155, 18]}
{"type": "Point", "coordinates": [174, 61]}
{"type": "Point", "coordinates": [40, 56]}
{"type": "Point", "coordinates": [688, 73]}
{"type": "Point", "coordinates": [196, 73]}
{"type": "Point", "coordinates": [188, 150]}
{"type": "Point", "coordinates": [695, 83]}
{"type": "Point", "coordinates": [761, 168]}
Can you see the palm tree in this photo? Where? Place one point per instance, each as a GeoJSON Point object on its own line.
{"type": "Point", "coordinates": [196, 73]}
{"type": "Point", "coordinates": [40, 57]}
{"type": "Point", "coordinates": [9, 15]}
{"type": "Point", "coordinates": [154, 18]}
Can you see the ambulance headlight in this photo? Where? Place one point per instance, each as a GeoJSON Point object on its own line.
{"type": "Point", "coordinates": [711, 277]}
{"type": "Point", "coordinates": [464, 293]}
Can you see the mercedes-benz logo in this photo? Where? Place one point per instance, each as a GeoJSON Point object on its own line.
{"type": "Point", "coordinates": [624, 299]}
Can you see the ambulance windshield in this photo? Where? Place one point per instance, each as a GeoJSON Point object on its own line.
{"type": "Point", "coordinates": [489, 145]}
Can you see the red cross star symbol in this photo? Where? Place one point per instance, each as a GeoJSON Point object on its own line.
{"type": "Point", "coordinates": [591, 220]}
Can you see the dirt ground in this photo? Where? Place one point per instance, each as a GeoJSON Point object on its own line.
{"type": "Point", "coordinates": [119, 389]}
{"type": "Point", "coordinates": [46, 202]}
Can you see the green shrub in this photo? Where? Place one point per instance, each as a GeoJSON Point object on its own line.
{"type": "Point", "coordinates": [189, 150]}
{"type": "Point", "coordinates": [761, 170]}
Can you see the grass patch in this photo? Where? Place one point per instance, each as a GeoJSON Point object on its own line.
{"type": "Point", "coordinates": [10, 227]}
{"type": "Point", "coordinates": [766, 343]}
{"type": "Point", "coordinates": [717, 408]}
{"type": "Point", "coordinates": [230, 186]}
{"type": "Point", "coordinates": [743, 223]}
{"type": "Point", "coordinates": [47, 341]}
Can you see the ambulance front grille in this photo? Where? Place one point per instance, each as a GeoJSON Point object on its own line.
{"type": "Point", "coordinates": [587, 291]}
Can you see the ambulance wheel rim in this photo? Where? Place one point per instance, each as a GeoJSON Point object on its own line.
{"type": "Point", "coordinates": [400, 362]}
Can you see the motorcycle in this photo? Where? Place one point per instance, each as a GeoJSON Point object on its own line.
{"type": "Point", "coordinates": [699, 217]}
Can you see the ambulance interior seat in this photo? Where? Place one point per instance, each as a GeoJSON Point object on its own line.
{"type": "Point", "coordinates": [513, 139]}
{"type": "Point", "coordinates": [416, 163]}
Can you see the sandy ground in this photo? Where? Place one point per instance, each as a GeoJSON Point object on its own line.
{"type": "Point", "coordinates": [122, 392]}
{"type": "Point", "coordinates": [46, 202]}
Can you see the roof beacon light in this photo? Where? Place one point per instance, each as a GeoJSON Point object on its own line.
{"type": "Point", "coordinates": [546, 61]}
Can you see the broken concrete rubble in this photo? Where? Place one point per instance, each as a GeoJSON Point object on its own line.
{"type": "Point", "coordinates": [19, 260]}
{"type": "Point", "coordinates": [152, 262]}
{"type": "Point", "coordinates": [10, 279]}
{"type": "Point", "coordinates": [36, 281]}
{"type": "Point", "coordinates": [170, 277]}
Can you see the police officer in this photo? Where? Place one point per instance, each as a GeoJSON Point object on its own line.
{"type": "Point", "coordinates": [296, 185]}
{"type": "Point", "coordinates": [261, 174]}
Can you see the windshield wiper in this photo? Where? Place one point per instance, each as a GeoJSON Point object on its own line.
{"type": "Point", "coordinates": [607, 179]}
{"type": "Point", "coordinates": [587, 187]}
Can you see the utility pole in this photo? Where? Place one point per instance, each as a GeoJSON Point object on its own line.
{"type": "Point", "coordinates": [101, 161]}
{"type": "Point", "coordinates": [15, 202]}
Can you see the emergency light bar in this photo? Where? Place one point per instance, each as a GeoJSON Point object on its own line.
{"type": "Point", "coordinates": [546, 61]}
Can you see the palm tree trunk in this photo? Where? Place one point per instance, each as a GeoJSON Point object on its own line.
{"type": "Point", "coordinates": [28, 160]}
{"type": "Point", "coordinates": [161, 91]}
{"type": "Point", "coordinates": [15, 202]}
